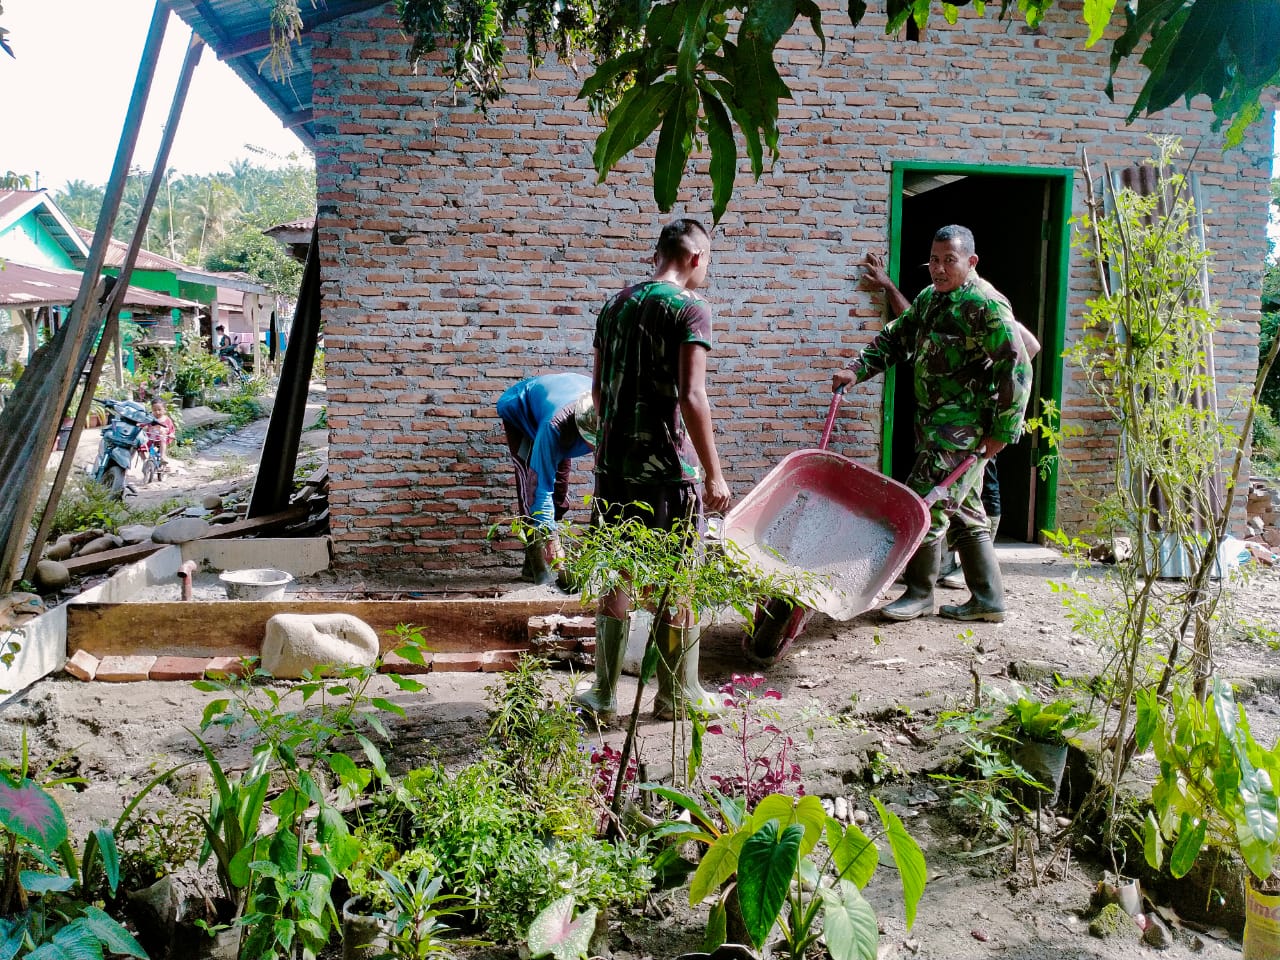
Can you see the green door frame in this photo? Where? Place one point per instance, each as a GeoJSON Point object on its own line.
{"type": "Point", "coordinates": [1058, 263]}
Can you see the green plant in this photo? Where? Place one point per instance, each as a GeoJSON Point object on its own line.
{"type": "Point", "coordinates": [157, 842]}
{"type": "Point", "coordinates": [1216, 784]}
{"type": "Point", "coordinates": [536, 740]}
{"type": "Point", "coordinates": [243, 405]}
{"type": "Point", "coordinates": [596, 873]}
{"type": "Point", "coordinates": [417, 906]}
{"type": "Point", "coordinates": [287, 873]}
{"type": "Point", "coordinates": [764, 861]}
{"type": "Point", "coordinates": [195, 370]}
{"type": "Point", "coordinates": [40, 913]}
{"type": "Point", "coordinates": [1144, 358]}
{"type": "Point", "coordinates": [85, 505]}
{"type": "Point", "coordinates": [663, 569]}
{"type": "Point", "coordinates": [1055, 721]}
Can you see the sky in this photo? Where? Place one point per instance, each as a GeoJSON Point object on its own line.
{"type": "Point", "coordinates": [66, 93]}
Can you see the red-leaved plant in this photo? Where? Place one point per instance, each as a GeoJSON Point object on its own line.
{"type": "Point", "coordinates": [763, 748]}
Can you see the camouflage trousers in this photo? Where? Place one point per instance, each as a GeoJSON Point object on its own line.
{"type": "Point", "coordinates": [963, 499]}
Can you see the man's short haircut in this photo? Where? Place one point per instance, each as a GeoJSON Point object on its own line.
{"type": "Point", "coordinates": [681, 237]}
{"type": "Point", "coordinates": [962, 236]}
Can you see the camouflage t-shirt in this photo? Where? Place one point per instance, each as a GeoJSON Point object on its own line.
{"type": "Point", "coordinates": [972, 375]}
{"type": "Point", "coordinates": [639, 334]}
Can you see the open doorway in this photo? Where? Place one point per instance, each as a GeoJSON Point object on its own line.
{"type": "Point", "coordinates": [1019, 219]}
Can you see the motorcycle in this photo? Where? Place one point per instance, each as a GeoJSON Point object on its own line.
{"type": "Point", "coordinates": [123, 437]}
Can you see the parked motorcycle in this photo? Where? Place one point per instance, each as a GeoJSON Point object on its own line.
{"type": "Point", "coordinates": [123, 437]}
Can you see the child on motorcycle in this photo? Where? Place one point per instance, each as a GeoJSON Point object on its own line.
{"type": "Point", "coordinates": [163, 432]}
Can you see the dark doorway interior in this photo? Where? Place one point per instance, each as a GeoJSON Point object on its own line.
{"type": "Point", "coordinates": [1015, 223]}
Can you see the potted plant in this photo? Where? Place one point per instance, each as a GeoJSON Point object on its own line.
{"type": "Point", "coordinates": [1217, 787]}
{"type": "Point", "coordinates": [1040, 731]}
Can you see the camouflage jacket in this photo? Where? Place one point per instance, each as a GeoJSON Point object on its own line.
{"type": "Point", "coordinates": [639, 335]}
{"type": "Point", "coordinates": [972, 375]}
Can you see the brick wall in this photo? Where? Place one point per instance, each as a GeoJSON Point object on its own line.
{"type": "Point", "coordinates": [461, 253]}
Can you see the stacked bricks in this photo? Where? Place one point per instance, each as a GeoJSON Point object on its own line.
{"type": "Point", "coordinates": [461, 252]}
{"type": "Point", "coordinates": [1263, 512]}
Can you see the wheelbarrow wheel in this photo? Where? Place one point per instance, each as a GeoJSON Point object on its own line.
{"type": "Point", "coordinates": [777, 624]}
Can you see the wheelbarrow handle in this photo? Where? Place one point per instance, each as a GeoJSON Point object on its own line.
{"type": "Point", "coordinates": [941, 489]}
{"type": "Point", "coordinates": [836, 395]}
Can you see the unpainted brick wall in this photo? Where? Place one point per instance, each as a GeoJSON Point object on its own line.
{"type": "Point", "coordinates": [462, 252]}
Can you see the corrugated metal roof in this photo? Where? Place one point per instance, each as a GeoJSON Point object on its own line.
{"type": "Point", "coordinates": [28, 287]}
{"type": "Point", "coordinates": [239, 32]}
{"type": "Point", "coordinates": [117, 249]}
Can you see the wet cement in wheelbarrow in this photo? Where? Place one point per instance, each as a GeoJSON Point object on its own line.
{"type": "Point", "coordinates": [825, 538]}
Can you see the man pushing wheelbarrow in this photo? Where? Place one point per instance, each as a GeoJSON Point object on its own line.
{"type": "Point", "coordinates": [972, 381]}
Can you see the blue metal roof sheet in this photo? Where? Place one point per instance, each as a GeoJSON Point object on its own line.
{"type": "Point", "coordinates": [239, 32]}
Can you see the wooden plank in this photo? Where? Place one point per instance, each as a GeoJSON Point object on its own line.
{"type": "Point", "coordinates": [227, 628]}
{"type": "Point", "coordinates": [96, 562]}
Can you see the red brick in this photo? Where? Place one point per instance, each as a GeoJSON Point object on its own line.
{"type": "Point", "coordinates": [179, 668]}
{"type": "Point", "coordinates": [82, 665]}
{"type": "Point", "coordinates": [116, 669]}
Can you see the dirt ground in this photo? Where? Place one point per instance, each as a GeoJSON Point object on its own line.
{"type": "Point", "coordinates": [860, 700]}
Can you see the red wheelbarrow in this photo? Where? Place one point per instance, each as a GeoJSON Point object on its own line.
{"type": "Point", "coordinates": [822, 514]}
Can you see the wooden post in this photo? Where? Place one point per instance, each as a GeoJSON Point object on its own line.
{"type": "Point", "coordinates": [115, 300]}
{"type": "Point", "coordinates": [274, 482]}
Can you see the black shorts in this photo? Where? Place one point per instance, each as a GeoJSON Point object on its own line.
{"type": "Point", "coordinates": [616, 499]}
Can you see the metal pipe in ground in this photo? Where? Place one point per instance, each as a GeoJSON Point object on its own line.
{"type": "Point", "coordinates": [187, 573]}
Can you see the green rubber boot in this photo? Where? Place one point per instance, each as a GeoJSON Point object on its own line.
{"type": "Point", "coordinates": [920, 576]}
{"type": "Point", "coordinates": [982, 574]}
{"type": "Point", "coordinates": [601, 697]}
{"type": "Point", "coordinates": [679, 691]}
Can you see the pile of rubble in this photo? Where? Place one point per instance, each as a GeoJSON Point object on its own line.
{"type": "Point", "coordinates": [1263, 510]}
{"type": "Point", "coordinates": [219, 516]}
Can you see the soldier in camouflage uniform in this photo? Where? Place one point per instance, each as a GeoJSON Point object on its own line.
{"type": "Point", "coordinates": [972, 383]}
{"type": "Point", "coordinates": [655, 445]}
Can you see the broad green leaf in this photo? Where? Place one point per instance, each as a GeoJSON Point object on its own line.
{"type": "Point", "coordinates": [34, 881]}
{"type": "Point", "coordinates": [608, 71]}
{"type": "Point", "coordinates": [909, 858]}
{"type": "Point", "coordinates": [750, 133]}
{"type": "Point", "coordinates": [767, 21]}
{"type": "Point", "coordinates": [649, 662]}
{"type": "Point", "coordinates": [681, 800]}
{"type": "Point", "coordinates": [1152, 841]}
{"type": "Point", "coordinates": [692, 40]}
{"type": "Point", "coordinates": [759, 88]}
{"type": "Point", "coordinates": [765, 867]}
{"type": "Point", "coordinates": [853, 852]}
{"type": "Point", "coordinates": [718, 864]}
{"type": "Point", "coordinates": [105, 841]}
{"type": "Point", "coordinates": [212, 709]}
{"type": "Point", "coordinates": [807, 8]}
{"type": "Point", "coordinates": [1224, 707]}
{"type": "Point", "coordinates": [631, 122]}
{"type": "Point", "coordinates": [30, 812]}
{"type": "Point", "coordinates": [1097, 14]}
{"type": "Point", "coordinates": [724, 151]}
{"type": "Point", "coordinates": [75, 941]}
{"type": "Point", "coordinates": [849, 926]}
{"type": "Point", "coordinates": [1150, 713]}
{"type": "Point", "coordinates": [675, 144]}
{"type": "Point", "coordinates": [13, 932]}
{"type": "Point", "coordinates": [112, 935]}
{"type": "Point", "coordinates": [805, 811]}
{"type": "Point", "coordinates": [1187, 847]}
{"type": "Point", "coordinates": [717, 926]}
{"type": "Point", "coordinates": [857, 10]}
